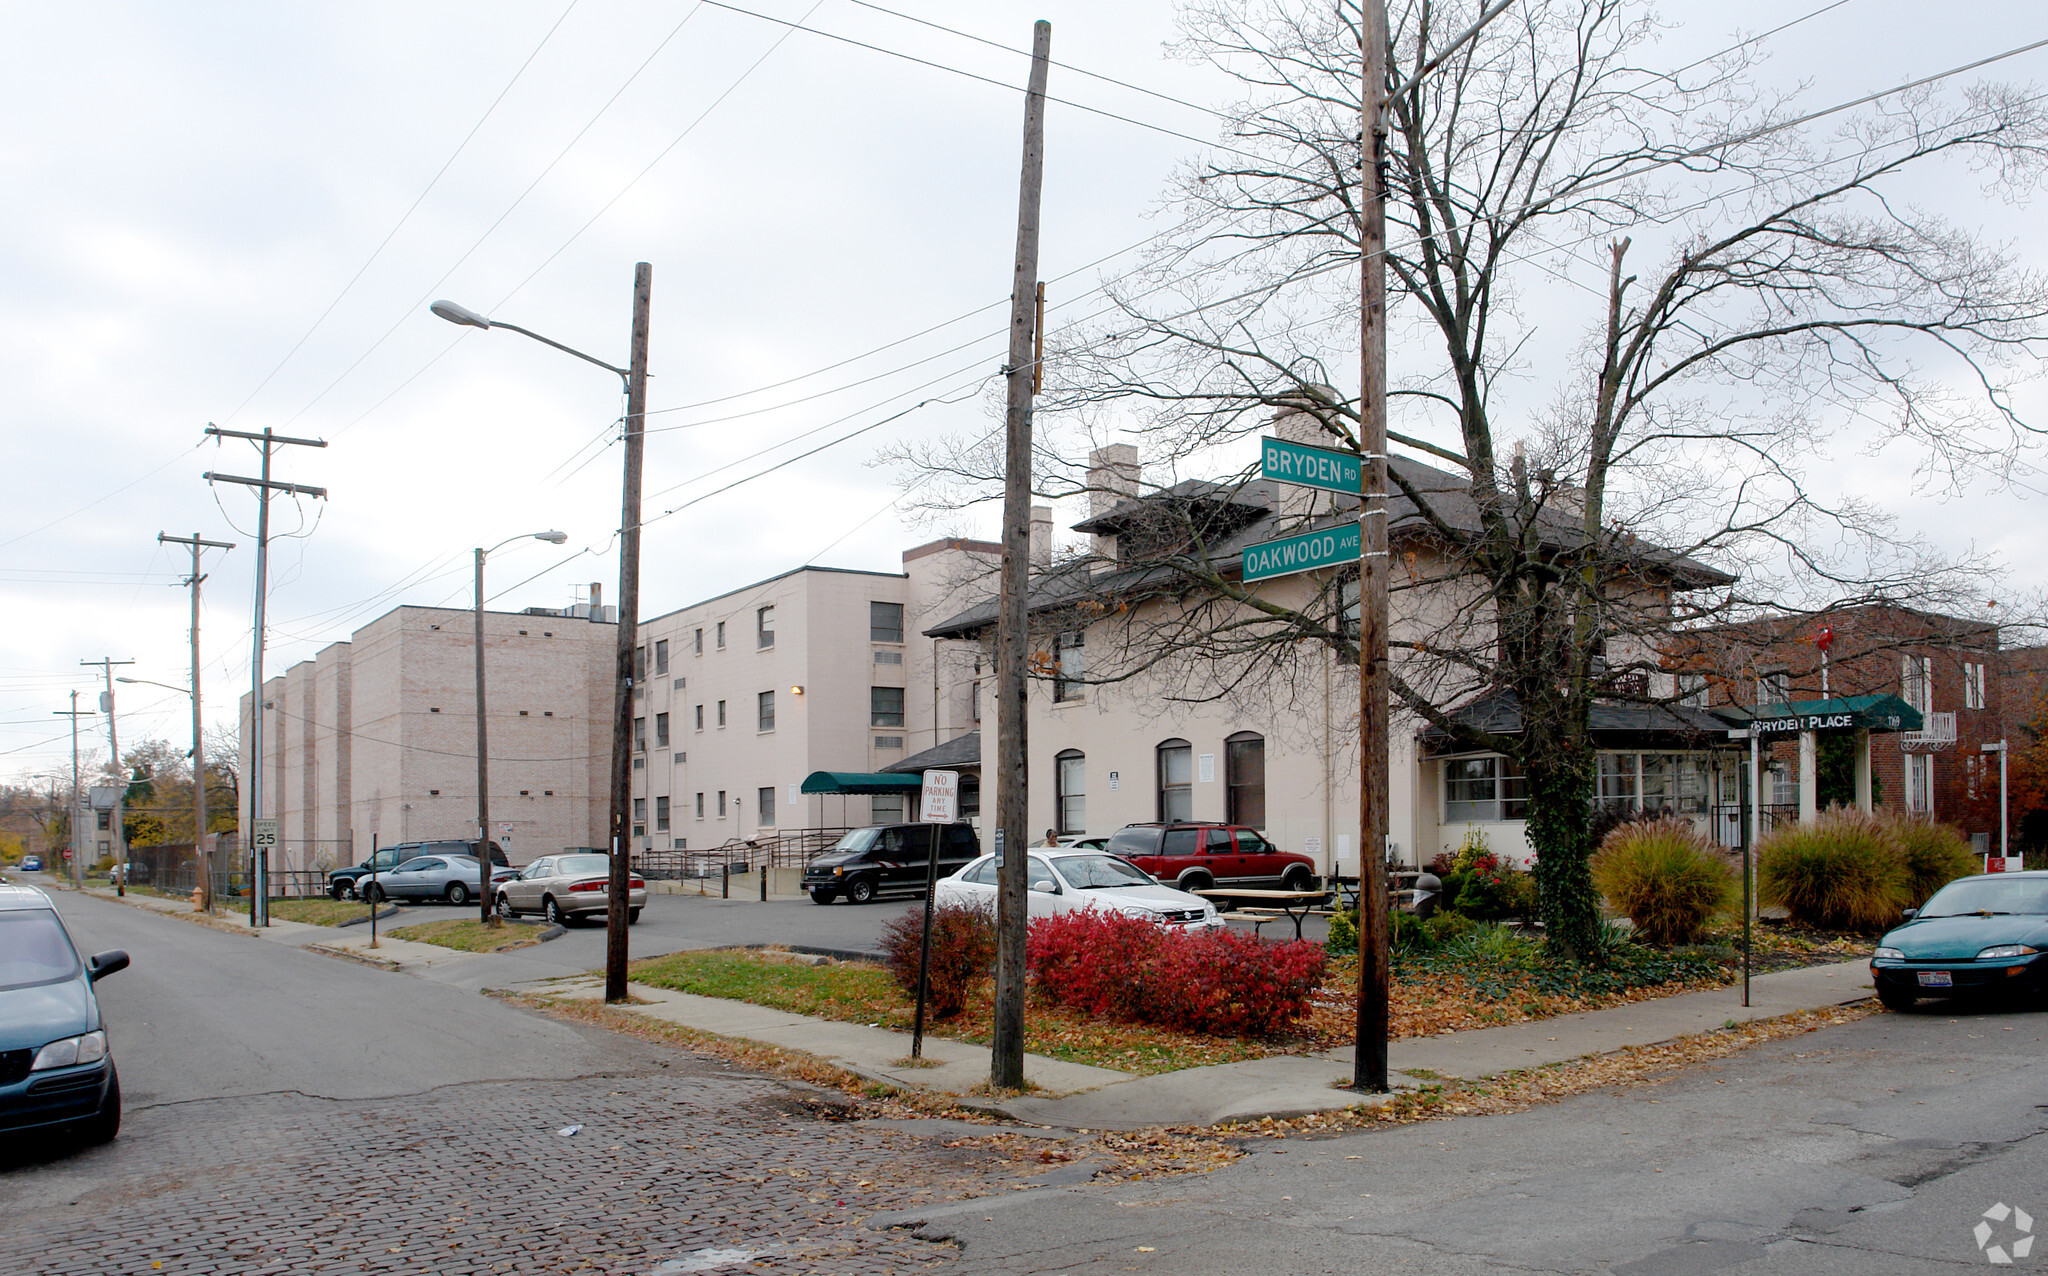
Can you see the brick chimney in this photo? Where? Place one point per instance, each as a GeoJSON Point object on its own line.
{"type": "Point", "coordinates": [1041, 537]}
{"type": "Point", "coordinates": [1114, 476]}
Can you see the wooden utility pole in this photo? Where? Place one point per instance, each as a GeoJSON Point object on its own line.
{"type": "Point", "coordinates": [77, 807]}
{"type": "Point", "coordinates": [120, 830]}
{"type": "Point", "coordinates": [1369, 1055]}
{"type": "Point", "coordinates": [201, 858]}
{"type": "Point", "coordinates": [629, 627]}
{"type": "Point", "coordinates": [1006, 1058]}
{"type": "Point", "coordinates": [259, 866]}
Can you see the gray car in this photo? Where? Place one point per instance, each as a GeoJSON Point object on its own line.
{"type": "Point", "coordinates": [448, 877]}
{"type": "Point", "coordinates": [563, 888]}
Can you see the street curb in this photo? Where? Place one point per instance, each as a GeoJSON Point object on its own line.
{"type": "Point", "coordinates": [553, 932]}
{"type": "Point", "coordinates": [361, 959]}
{"type": "Point", "coordinates": [390, 911]}
{"type": "Point", "coordinates": [810, 950]}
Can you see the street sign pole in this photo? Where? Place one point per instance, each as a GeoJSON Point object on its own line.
{"type": "Point", "coordinates": [935, 807]}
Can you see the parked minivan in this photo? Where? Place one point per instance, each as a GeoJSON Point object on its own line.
{"type": "Point", "coordinates": [887, 858]}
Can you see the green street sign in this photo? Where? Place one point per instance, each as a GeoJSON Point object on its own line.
{"type": "Point", "coordinates": [1302, 553]}
{"type": "Point", "coordinates": [1310, 466]}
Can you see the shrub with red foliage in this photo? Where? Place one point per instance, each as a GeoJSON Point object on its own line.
{"type": "Point", "coordinates": [963, 953]}
{"type": "Point", "coordinates": [1130, 968]}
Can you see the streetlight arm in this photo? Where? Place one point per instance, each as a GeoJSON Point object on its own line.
{"type": "Point", "coordinates": [148, 682]}
{"type": "Point", "coordinates": [624, 375]}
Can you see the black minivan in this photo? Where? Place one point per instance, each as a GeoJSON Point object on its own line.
{"type": "Point", "coordinates": [887, 857]}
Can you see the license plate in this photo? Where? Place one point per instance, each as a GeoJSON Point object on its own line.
{"type": "Point", "coordinates": [1936, 979]}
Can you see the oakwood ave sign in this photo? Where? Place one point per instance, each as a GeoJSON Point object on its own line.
{"type": "Point", "coordinates": [1306, 552]}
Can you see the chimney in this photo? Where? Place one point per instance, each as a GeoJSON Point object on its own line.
{"type": "Point", "coordinates": [1295, 420]}
{"type": "Point", "coordinates": [1113, 478]}
{"type": "Point", "coordinates": [1041, 537]}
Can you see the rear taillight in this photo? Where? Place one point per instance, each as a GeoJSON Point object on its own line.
{"type": "Point", "coordinates": [635, 884]}
{"type": "Point", "coordinates": [588, 886]}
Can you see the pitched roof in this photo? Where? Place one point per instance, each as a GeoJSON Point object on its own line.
{"type": "Point", "coordinates": [1619, 722]}
{"type": "Point", "coordinates": [961, 750]}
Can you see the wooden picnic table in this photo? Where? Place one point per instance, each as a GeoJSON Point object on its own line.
{"type": "Point", "coordinates": [1295, 905]}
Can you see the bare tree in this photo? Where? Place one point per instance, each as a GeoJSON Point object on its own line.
{"type": "Point", "coordinates": [1631, 309]}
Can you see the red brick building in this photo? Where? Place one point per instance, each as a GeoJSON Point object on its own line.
{"type": "Point", "coordinates": [1948, 668]}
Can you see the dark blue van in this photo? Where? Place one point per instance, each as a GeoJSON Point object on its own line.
{"type": "Point", "coordinates": [56, 1076]}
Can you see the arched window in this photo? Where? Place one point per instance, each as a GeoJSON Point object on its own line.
{"type": "Point", "coordinates": [1070, 776]}
{"type": "Point", "coordinates": [1176, 780]}
{"type": "Point", "coordinates": [1244, 778]}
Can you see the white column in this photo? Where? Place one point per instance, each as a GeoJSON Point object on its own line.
{"type": "Point", "coordinates": [1809, 776]}
{"type": "Point", "coordinates": [1863, 801]}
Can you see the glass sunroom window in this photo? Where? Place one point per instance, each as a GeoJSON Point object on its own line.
{"type": "Point", "coordinates": [1483, 790]}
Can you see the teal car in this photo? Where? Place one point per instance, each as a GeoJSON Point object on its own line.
{"type": "Point", "coordinates": [1978, 937]}
{"type": "Point", "coordinates": [55, 1072]}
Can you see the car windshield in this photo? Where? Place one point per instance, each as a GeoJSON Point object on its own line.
{"type": "Point", "coordinates": [856, 841]}
{"type": "Point", "coordinates": [1989, 895]}
{"type": "Point", "coordinates": [582, 866]}
{"type": "Point", "coordinates": [1097, 872]}
{"type": "Point", "coordinates": [34, 949]}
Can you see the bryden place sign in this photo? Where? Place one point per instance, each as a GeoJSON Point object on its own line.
{"type": "Point", "coordinates": [1309, 467]}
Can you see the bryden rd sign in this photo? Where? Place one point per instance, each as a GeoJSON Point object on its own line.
{"type": "Point", "coordinates": [1308, 467]}
{"type": "Point", "coordinates": [1311, 466]}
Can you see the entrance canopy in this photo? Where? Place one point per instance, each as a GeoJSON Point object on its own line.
{"type": "Point", "coordinates": [1843, 713]}
{"type": "Point", "coordinates": [857, 782]}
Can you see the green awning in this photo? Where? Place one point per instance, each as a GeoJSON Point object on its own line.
{"type": "Point", "coordinates": [861, 782]}
{"type": "Point", "coordinates": [1842, 713]}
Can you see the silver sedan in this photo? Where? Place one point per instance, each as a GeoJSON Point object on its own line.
{"type": "Point", "coordinates": [563, 888]}
{"type": "Point", "coordinates": [449, 877]}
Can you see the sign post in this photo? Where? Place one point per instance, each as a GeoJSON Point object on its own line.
{"type": "Point", "coordinates": [937, 805]}
{"type": "Point", "coordinates": [262, 838]}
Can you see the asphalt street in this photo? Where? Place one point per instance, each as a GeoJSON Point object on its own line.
{"type": "Point", "coordinates": [1872, 1148]}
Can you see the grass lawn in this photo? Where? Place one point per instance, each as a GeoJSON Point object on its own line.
{"type": "Point", "coordinates": [470, 936]}
{"type": "Point", "coordinates": [314, 912]}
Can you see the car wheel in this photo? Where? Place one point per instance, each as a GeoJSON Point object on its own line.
{"type": "Point", "coordinates": [552, 911]}
{"type": "Point", "coordinates": [374, 893]}
{"type": "Point", "coordinates": [861, 890]}
{"type": "Point", "coordinates": [457, 894]}
{"type": "Point", "coordinates": [1298, 879]}
{"type": "Point", "coordinates": [1200, 882]}
{"type": "Point", "coordinates": [103, 1125]}
{"type": "Point", "coordinates": [632, 915]}
{"type": "Point", "coordinates": [823, 897]}
{"type": "Point", "coordinates": [1895, 998]}
{"type": "Point", "coordinates": [337, 890]}
{"type": "Point", "coordinates": [505, 907]}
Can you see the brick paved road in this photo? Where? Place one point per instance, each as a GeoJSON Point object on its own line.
{"type": "Point", "coordinates": [670, 1166]}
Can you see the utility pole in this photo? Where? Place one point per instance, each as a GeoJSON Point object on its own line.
{"type": "Point", "coordinates": [1006, 1057]}
{"type": "Point", "coordinates": [120, 772]}
{"type": "Point", "coordinates": [259, 876]}
{"type": "Point", "coordinates": [629, 635]}
{"type": "Point", "coordinates": [1369, 1054]}
{"type": "Point", "coordinates": [77, 861]}
{"type": "Point", "coordinates": [205, 860]}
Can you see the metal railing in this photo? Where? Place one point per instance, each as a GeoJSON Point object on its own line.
{"type": "Point", "coordinates": [791, 849]}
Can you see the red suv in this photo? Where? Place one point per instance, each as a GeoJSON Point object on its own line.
{"type": "Point", "coordinates": [1196, 857]}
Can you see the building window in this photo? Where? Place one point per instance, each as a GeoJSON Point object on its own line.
{"type": "Point", "coordinates": [1677, 783]}
{"type": "Point", "coordinates": [1070, 776]}
{"type": "Point", "coordinates": [764, 711]}
{"type": "Point", "coordinates": [639, 664]}
{"type": "Point", "coordinates": [639, 735]}
{"type": "Point", "coordinates": [1774, 686]}
{"type": "Point", "coordinates": [1176, 780]}
{"type": "Point", "coordinates": [764, 627]}
{"type": "Point", "coordinates": [698, 640]}
{"type": "Point", "coordinates": [970, 796]}
{"type": "Point", "coordinates": [1916, 684]}
{"type": "Point", "coordinates": [661, 815]}
{"type": "Point", "coordinates": [661, 731]}
{"type": "Point", "coordinates": [1691, 690]}
{"type": "Point", "coordinates": [1490, 789]}
{"type": "Point", "coordinates": [640, 810]}
{"type": "Point", "coordinates": [885, 622]}
{"type": "Point", "coordinates": [1347, 605]}
{"type": "Point", "coordinates": [661, 656]}
{"type": "Point", "coordinates": [885, 706]}
{"type": "Point", "coordinates": [721, 804]}
{"type": "Point", "coordinates": [886, 808]}
{"type": "Point", "coordinates": [700, 717]}
{"type": "Point", "coordinates": [721, 635]}
{"type": "Point", "coordinates": [1070, 665]}
{"type": "Point", "coordinates": [1244, 778]}
{"type": "Point", "coordinates": [974, 701]}
{"type": "Point", "coordinates": [888, 657]}
{"type": "Point", "coordinates": [1973, 686]}
{"type": "Point", "coordinates": [700, 806]}
{"type": "Point", "coordinates": [1920, 782]}
{"type": "Point", "coordinates": [765, 799]}
{"type": "Point", "coordinates": [888, 742]}
{"type": "Point", "coordinates": [721, 713]}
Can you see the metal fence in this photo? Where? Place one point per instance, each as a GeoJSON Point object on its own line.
{"type": "Point", "coordinates": [792, 849]}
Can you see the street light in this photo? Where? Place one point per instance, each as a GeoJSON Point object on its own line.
{"type": "Point", "coordinates": [202, 862]}
{"type": "Point", "coordinates": [635, 379]}
{"type": "Point", "coordinates": [489, 904]}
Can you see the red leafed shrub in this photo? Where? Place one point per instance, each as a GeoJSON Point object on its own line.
{"type": "Point", "coordinates": [1124, 967]}
{"type": "Point", "coordinates": [963, 953]}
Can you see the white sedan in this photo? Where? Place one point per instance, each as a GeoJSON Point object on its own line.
{"type": "Point", "coordinates": [1063, 880]}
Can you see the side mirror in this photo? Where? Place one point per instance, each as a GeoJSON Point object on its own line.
{"type": "Point", "coordinates": [1911, 913]}
{"type": "Point", "coordinates": [1045, 888]}
{"type": "Point", "coordinates": [100, 965]}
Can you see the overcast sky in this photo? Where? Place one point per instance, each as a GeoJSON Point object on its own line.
{"type": "Point", "coordinates": [236, 213]}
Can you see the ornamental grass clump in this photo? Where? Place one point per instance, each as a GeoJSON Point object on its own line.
{"type": "Point", "coordinates": [1933, 855]}
{"type": "Point", "coordinates": [1842, 871]}
{"type": "Point", "coordinates": [963, 953]}
{"type": "Point", "coordinates": [1666, 877]}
